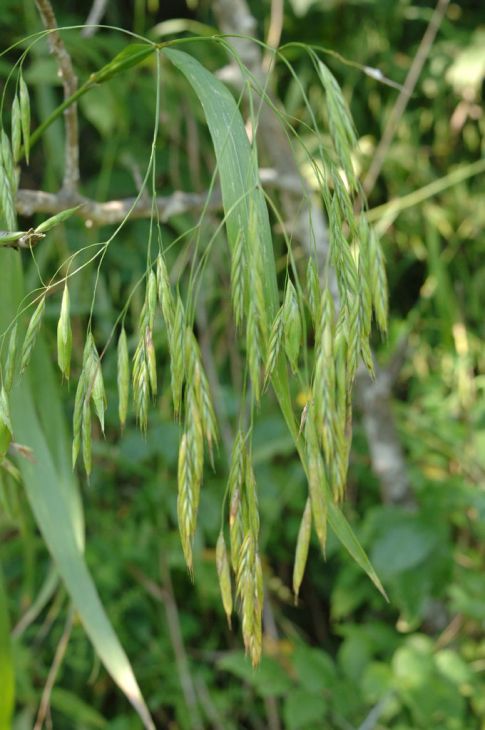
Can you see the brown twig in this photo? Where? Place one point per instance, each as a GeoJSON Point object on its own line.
{"type": "Point", "coordinates": [29, 202]}
{"type": "Point", "coordinates": [69, 82]}
{"type": "Point", "coordinates": [403, 98]}
{"type": "Point", "coordinates": [97, 11]}
{"type": "Point", "coordinates": [206, 702]}
{"type": "Point", "coordinates": [51, 677]}
{"type": "Point", "coordinates": [166, 596]}
{"type": "Point", "coordinates": [274, 31]}
{"type": "Point", "coordinates": [386, 453]}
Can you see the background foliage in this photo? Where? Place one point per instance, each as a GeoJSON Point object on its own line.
{"type": "Point", "coordinates": [342, 658]}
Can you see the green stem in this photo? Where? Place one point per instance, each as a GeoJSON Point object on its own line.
{"type": "Point", "coordinates": [37, 134]}
{"type": "Point", "coordinates": [418, 196]}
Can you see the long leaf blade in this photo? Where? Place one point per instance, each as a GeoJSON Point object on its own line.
{"type": "Point", "coordinates": [7, 674]}
{"type": "Point", "coordinates": [53, 493]}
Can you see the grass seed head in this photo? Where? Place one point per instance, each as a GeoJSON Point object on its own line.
{"type": "Point", "coordinates": [302, 547]}
{"type": "Point", "coordinates": [292, 326]}
{"type": "Point", "coordinates": [9, 372]}
{"type": "Point", "coordinates": [223, 573]}
{"type": "Point", "coordinates": [25, 115]}
{"type": "Point", "coordinates": [5, 424]}
{"type": "Point", "coordinates": [64, 336]}
{"type": "Point", "coordinates": [123, 377]}
{"type": "Point", "coordinates": [31, 334]}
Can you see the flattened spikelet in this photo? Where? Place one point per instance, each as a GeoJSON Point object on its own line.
{"type": "Point", "coordinates": [64, 336]}
{"type": "Point", "coordinates": [6, 200]}
{"type": "Point", "coordinates": [151, 360]}
{"type": "Point", "coordinates": [95, 384]}
{"type": "Point", "coordinates": [86, 436]}
{"type": "Point", "coordinates": [352, 314]}
{"type": "Point", "coordinates": [5, 424]}
{"type": "Point", "coordinates": [238, 277]}
{"type": "Point", "coordinates": [257, 273]}
{"type": "Point", "coordinates": [141, 384]}
{"type": "Point", "coordinates": [316, 482]}
{"type": "Point", "coordinates": [77, 416]}
{"type": "Point", "coordinates": [25, 115]}
{"type": "Point", "coordinates": [224, 576]}
{"type": "Point", "coordinates": [365, 312]}
{"type": "Point", "coordinates": [151, 298]}
{"type": "Point", "coordinates": [235, 489]}
{"type": "Point", "coordinates": [251, 499]}
{"type": "Point", "coordinates": [275, 341]}
{"type": "Point", "coordinates": [209, 420]}
{"type": "Point", "coordinates": [253, 350]}
{"type": "Point", "coordinates": [245, 587]}
{"type": "Point", "coordinates": [16, 128]}
{"type": "Point", "coordinates": [165, 295]}
{"type": "Point", "coordinates": [9, 373]}
{"type": "Point", "coordinates": [197, 377]}
{"type": "Point", "coordinates": [236, 527]}
{"type": "Point", "coordinates": [324, 378]}
{"type": "Point", "coordinates": [177, 356]}
{"type": "Point", "coordinates": [8, 162]}
{"type": "Point", "coordinates": [292, 326]}
{"type": "Point", "coordinates": [313, 292]}
{"type": "Point", "coordinates": [31, 334]}
{"type": "Point", "coordinates": [378, 281]}
{"type": "Point", "coordinates": [339, 121]}
{"type": "Point", "coordinates": [364, 280]}
{"type": "Point", "coordinates": [185, 513]}
{"type": "Point", "coordinates": [123, 377]}
{"type": "Point", "coordinates": [302, 547]}
{"type": "Point", "coordinates": [341, 411]}
{"type": "Point", "coordinates": [195, 443]}
{"type": "Point", "coordinates": [256, 640]}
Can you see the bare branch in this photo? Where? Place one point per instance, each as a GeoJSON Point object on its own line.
{"type": "Point", "coordinates": [97, 11]}
{"type": "Point", "coordinates": [69, 82]}
{"type": "Point", "coordinates": [29, 202]}
{"type": "Point", "coordinates": [274, 31]}
{"type": "Point", "coordinates": [386, 453]}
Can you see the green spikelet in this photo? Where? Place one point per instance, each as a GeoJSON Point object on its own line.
{"type": "Point", "coordinates": [224, 576]}
{"type": "Point", "coordinates": [165, 296]}
{"type": "Point", "coordinates": [64, 336]}
{"type": "Point", "coordinates": [16, 128]}
{"type": "Point", "coordinates": [239, 278]}
{"type": "Point", "coordinates": [316, 481]}
{"type": "Point", "coordinates": [177, 356]}
{"type": "Point", "coordinates": [235, 489]}
{"type": "Point", "coordinates": [313, 292]}
{"type": "Point", "coordinates": [123, 377]}
{"type": "Point", "coordinates": [9, 372]}
{"type": "Point", "coordinates": [292, 326]}
{"type": "Point", "coordinates": [5, 424]}
{"type": "Point", "coordinates": [302, 547]}
{"type": "Point", "coordinates": [31, 334]}
{"type": "Point", "coordinates": [253, 349]}
{"type": "Point", "coordinates": [274, 349]}
{"type": "Point", "coordinates": [378, 282]}
{"type": "Point", "coordinates": [25, 115]}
